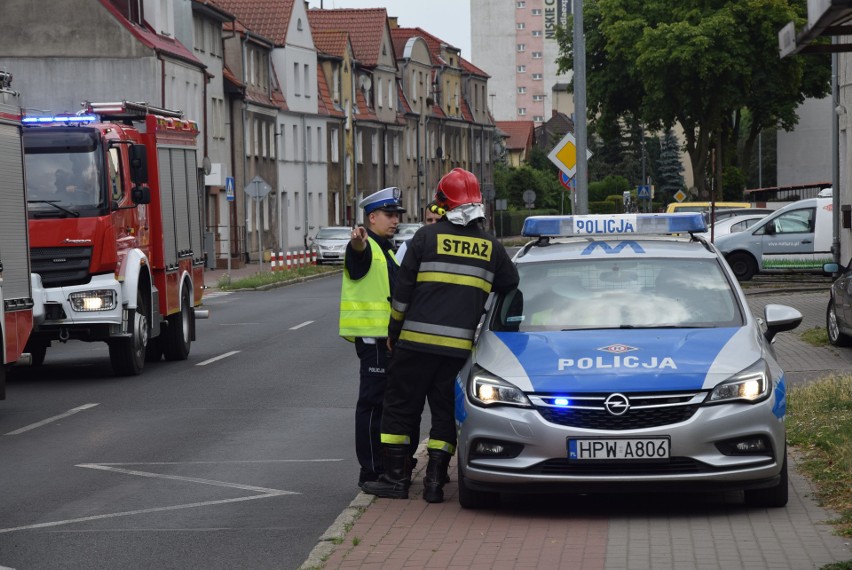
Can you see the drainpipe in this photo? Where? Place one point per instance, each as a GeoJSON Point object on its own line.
{"type": "Point", "coordinates": [245, 146]}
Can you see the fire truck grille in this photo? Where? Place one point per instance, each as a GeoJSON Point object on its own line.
{"type": "Point", "coordinates": [60, 266]}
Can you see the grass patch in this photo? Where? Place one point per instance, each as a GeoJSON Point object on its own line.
{"type": "Point", "coordinates": [816, 336]}
{"type": "Point", "coordinates": [819, 424]}
{"type": "Point", "coordinates": [270, 277]}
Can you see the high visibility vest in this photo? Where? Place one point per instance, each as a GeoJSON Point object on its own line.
{"type": "Point", "coordinates": [365, 303]}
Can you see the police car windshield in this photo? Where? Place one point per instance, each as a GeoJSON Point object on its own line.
{"type": "Point", "coordinates": [600, 294]}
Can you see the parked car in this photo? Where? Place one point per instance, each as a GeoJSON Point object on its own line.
{"type": "Point", "coordinates": [404, 232]}
{"type": "Point", "coordinates": [703, 206]}
{"type": "Point", "coordinates": [838, 314]}
{"type": "Point", "coordinates": [731, 224]}
{"type": "Point", "coordinates": [626, 360]}
{"type": "Point", "coordinates": [330, 243]}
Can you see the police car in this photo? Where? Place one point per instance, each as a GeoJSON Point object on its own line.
{"type": "Point", "coordinates": [627, 359]}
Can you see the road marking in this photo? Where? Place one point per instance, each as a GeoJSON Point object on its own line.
{"type": "Point", "coordinates": [214, 294]}
{"type": "Point", "coordinates": [264, 494]}
{"type": "Point", "coordinates": [70, 412]}
{"type": "Point", "coordinates": [306, 323]}
{"type": "Point", "coordinates": [220, 357]}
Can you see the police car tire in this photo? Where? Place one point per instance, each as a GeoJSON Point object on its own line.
{"type": "Point", "coordinates": [471, 499]}
{"type": "Point", "coordinates": [835, 337]}
{"type": "Point", "coordinates": [743, 265]}
{"type": "Point", "coordinates": [771, 497]}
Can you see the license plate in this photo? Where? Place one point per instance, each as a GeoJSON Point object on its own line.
{"type": "Point", "coordinates": [618, 449]}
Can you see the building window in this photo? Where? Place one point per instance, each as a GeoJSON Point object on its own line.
{"type": "Point", "coordinates": [536, 55]}
{"type": "Point", "coordinates": [520, 4]}
{"type": "Point", "coordinates": [520, 26]}
{"type": "Point", "coordinates": [538, 97]}
{"type": "Point", "coordinates": [309, 151]}
{"type": "Point", "coordinates": [335, 151]}
{"type": "Point", "coordinates": [522, 110]}
{"type": "Point", "coordinates": [522, 69]}
{"type": "Point", "coordinates": [522, 47]}
{"type": "Point", "coordinates": [374, 147]}
{"type": "Point", "coordinates": [320, 154]}
{"type": "Point", "coordinates": [295, 141]}
{"type": "Point", "coordinates": [537, 76]}
{"type": "Point", "coordinates": [536, 33]}
{"type": "Point", "coordinates": [297, 89]}
{"type": "Point", "coordinates": [536, 11]}
{"type": "Point", "coordinates": [522, 90]}
{"type": "Point", "coordinates": [538, 119]}
{"type": "Point", "coordinates": [359, 150]}
{"type": "Point", "coordinates": [307, 80]}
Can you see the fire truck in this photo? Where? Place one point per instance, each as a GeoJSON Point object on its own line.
{"type": "Point", "coordinates": [115, 231]}
{"type": "Point", "coordinates": [16, 297]}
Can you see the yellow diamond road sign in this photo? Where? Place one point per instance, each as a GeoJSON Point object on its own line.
{"type": "Point", "coordinates": [564, 155]}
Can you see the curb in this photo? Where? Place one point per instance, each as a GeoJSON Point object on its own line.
{"type": "Point", "coordinates": [269, 286]}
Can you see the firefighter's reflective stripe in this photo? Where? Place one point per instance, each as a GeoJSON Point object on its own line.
{"type": "Point", "coordinates": [471, 270]}
{"type": "Point", "coordinates": [462, 343]}
{"type": "Point", "coordinates": [456, 274]}
{"type": "Point", "coordinates": [393, 439]}
{"type": "Point", "coordinates": [454, 280]}
{"type": "Point", "coordinates": [442, 445]}
{"type": "Point", "coordinates": [364, 304]}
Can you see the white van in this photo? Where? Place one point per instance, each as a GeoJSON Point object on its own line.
{"type": "Point", "coordinates": [796, 238]}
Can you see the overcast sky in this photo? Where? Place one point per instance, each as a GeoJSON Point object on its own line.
{"type": "Point", "coordinates": [446, 19]}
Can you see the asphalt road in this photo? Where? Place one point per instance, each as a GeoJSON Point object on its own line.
{"type": "Point", "coordinates": [239, 457]}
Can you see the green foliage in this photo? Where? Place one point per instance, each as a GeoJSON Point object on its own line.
{"type": "Point", "coordinates": [669, 167]}
{"type": "Point", "coordinates": [612, 185]}
{"type": "Point", "coordinates": [697, 64]}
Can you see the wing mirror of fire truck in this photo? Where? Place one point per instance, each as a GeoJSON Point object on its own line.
{"type": "Point", "coordinates": [138, 164]}
{"type": "Point", "coordinates": [140, 195]}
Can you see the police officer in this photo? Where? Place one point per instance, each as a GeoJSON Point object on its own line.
{"type": "Point", "coordinates": [369, 273]}
{"type": "Point", "coordinates": [449, 270]}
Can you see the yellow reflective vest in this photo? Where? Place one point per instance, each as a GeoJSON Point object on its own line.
{"type": "Point", "coordinates": [365, 303]}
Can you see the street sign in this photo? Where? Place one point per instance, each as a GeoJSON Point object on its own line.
{"type": "Point", "coordinates": [564, 155]}
{"type": "Point", "coordinates": [680, 196]}
{"type": "Point", "coordinates": [257, 188]}
{"type": "Point", "coordinates": [229, 188]}
{"type": "Point", "coordinates": [501, 204]}
{"type": "Point", "coordinates": [529, 198]}
{"type": "Point", "coordinates": [488, 192]}
{"type": "Point", "coordinates": [644, 192]}
{"type": "Point", "coordinates": [566, 181]}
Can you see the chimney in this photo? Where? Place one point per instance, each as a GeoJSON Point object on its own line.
{"type": "Point", "coordinates": [392, 22]}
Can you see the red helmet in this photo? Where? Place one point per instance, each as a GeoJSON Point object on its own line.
{"type": "Point", "coordinates": [458, 187]}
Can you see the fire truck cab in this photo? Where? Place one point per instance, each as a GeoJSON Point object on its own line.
{"type": "Point", "coordinates": [115, 228]}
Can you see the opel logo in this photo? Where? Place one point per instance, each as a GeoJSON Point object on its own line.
{"type": "Point", "coordinates": [617, 404]}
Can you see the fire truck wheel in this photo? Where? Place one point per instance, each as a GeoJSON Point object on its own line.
{"type": "Point", "coordinates": [178, 334]}
{"type": "Point", "coordinates": [37, 351]}
{"type": "Point", "coordinates": [127, 355]}
{"type": "Point", "coordinates": [154, 350]}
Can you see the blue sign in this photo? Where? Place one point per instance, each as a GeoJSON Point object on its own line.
{"type": "Point", "coordinates": [566, 181]}
{"type": "Point", "coordinates": [644, 192]}
{"type": "Point", "coordinates": [229, 188]}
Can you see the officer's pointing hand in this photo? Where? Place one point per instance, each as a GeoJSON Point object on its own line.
{"type": "Point", "coordinates": [358, 239]}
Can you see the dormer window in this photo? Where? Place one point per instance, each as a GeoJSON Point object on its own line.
{"type": "Point", "coordinates": [299, 24]}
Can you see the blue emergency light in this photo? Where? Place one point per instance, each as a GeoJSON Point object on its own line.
{"type": "Point", "coordinates": [602, 225]}
{"type": "Point", "coordinates": [59, 119]}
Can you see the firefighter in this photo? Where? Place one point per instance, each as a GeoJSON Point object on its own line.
{"type": "Point", "coordinates": [449, 270]}
{"type": "Point", "coordinates": [369, 273]}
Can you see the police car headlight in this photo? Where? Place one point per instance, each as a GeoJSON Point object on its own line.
{"type": "Point", "coordinates": [489, 390]}
{"type": "Point", "coordinates": [749, 385]}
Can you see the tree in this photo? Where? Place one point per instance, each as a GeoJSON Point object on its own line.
{"type": "Point", "coordinates": [699, 64]}
{"type": "Point", "coordinates": [669, 168]}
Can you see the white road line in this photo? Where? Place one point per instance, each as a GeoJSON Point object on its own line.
{"type": "Point", "coordinates": [213, 482]}
{"type": "Point", "coordinates": [220, 357]}
{"type": "Point", "coordinates": [306, 323]}
{"type": "Point", "coordinates": [70, 412]}
{"type": "Point", "coordinates": [136, 512]}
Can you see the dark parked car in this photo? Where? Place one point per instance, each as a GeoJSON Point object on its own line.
{"type": "Point", "coordinates": [838, 314]}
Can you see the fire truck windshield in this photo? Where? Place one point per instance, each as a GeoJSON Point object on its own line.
{"type": "Point", "coordinates": [64, 178]}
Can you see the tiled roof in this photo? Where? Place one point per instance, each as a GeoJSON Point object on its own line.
{"type": "Point", "coordinates": [465, 110]}
{"type": "Point", "coordinates": [432, 42]}
{"type": "Point", "coordinates": [228, 75]}
{"type": "Point", "coordinates": [153, 40]}
{"type": "Point", "coordinates": [472, 69]}
{"type": "Point", "coordinates": [326, 104]}
{"type": "Point", "coordinates": [520, 133]}
{"type": "Point", "coordinates": [331, 42]}
{"type": "Point", "coordinates": [362, 111]}
{"type": "Point", "coordinates": [269, 18]}
{"type": "Point", "coordinates": [366, 28]}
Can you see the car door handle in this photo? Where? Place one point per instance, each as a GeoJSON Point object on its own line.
{"type": "Point", "coordinates": [806, 241]}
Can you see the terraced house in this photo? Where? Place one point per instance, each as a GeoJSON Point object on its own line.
{"type": "Point", "coordinates": [302, 111]}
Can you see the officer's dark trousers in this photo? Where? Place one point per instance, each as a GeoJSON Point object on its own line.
{"type": "Point", "coordinates": [414, 377]}
{"type": "Point", "coordinates": [368, 410]}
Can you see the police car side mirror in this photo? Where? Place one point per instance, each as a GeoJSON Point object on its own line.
{"type": "Point", "coordinates": [780, 318]}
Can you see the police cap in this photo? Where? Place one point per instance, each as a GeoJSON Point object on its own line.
{"type": "Point", "coordinates": [388, 199]}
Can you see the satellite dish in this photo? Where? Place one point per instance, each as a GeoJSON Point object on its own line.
{"type": "Point", "coordinates": [207, 166]}
{"type": "Point", "coordinates": [365, 82]}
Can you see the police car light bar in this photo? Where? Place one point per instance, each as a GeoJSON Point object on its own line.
{"type": "Point", "coordinates": [60, 119]}
{"type": "Point", "coordinates": [614, 224]}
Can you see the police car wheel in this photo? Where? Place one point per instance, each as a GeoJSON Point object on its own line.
{"type": "Point", "coordinates": [743, 265]}
{"type": "Point", "coordinates": [770, 497]}
{"type": "Point", "coordinates": [471, 499]}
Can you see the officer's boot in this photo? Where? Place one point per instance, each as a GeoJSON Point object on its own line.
{"type": "Point", "coordinates": [395, 481]}
{"type": "Point", "coordinates": [436, 475]}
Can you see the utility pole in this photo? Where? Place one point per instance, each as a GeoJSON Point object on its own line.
{"type": "Point", "coordinates": [581, 177]}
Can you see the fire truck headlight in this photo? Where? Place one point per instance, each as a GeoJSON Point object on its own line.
{"type": "Point", "coordinates": [97, 300]}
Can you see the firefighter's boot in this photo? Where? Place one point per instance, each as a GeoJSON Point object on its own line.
{"type": "Point", "coordinates": [436, 475]}
{"type": "Point", "coordinates": [395, 481]}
